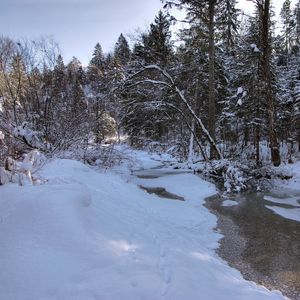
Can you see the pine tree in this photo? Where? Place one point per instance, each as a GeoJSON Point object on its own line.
{"type": "Point", "coordinates": [122, 51]}
{"type": "Point", "coordinates": [245, 109]}
{"type": "Point", "coordinates": [264, 13]}
{"type": "Point", "coordinates": [97, 64]}
{"type": "Point", "coordinates": [296, 17]}
{"type": "Point", "coordinates": [228, 23]}
{"type": "Point", "coordinates": [288, 24]}
{"type": "Point", "coordinates": [158, 42]}
{"type": "Point", "coordinates": [205, 11]}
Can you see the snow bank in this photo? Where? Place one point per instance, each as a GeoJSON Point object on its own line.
{"type": "Point", "coordinates": [229, 203]}
{"type": "Point", "coordinates": [90, 235]}
{"type": "Point", "coordinates": [292, 170]}
{"type": "Point", "coordinates": [288, 213]}
{"type": "Point", "coordinates": [294, 201]}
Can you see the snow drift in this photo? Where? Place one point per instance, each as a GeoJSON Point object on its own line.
{"type": "Point", "coordinates": [91, 235]}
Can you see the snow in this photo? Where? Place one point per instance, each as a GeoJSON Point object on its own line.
{"type": "Point", "coordinates": [293, 183]}
{"type": "Point", "coordinates": [294, 201]}
{"type": "Point", "coordinates": [292, 186]}
{"type": "Point", "coordinates": [294, 170]}
{"type": "Point", "coordinates": [89, 234]}
{"type": "Point", "coordinates": [138, 159]}
{"type": "Point", "coordinates": [240, 90]}
{"type": "Point", "coordinates": [292, 213]}
{"type": "Point", "coordinates": [229, 203]}
{"type": "Point", "coordinates": [255, 48]}
{"type": "Point", "coordinates": [288, 213]}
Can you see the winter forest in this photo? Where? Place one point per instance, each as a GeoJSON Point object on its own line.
{"type": "Point", "coordinates": [212, 107]}
{"type": "Point", "coordinates": [228, 89]}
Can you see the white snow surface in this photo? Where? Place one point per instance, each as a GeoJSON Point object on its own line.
{"type": "Point", "coordinates": [229, 203]}
{"type": "Point", "coordinates": [288, 213]}
{"type": "Point", "coordinates": [294, 201]}
{"type": "Point", "coordinates": [293, 183]}
{"type": "Point", "coordinates": [87, 234]}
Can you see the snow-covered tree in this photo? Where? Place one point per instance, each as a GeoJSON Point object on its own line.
{"type": "Point", "coordinates": [122, 51]}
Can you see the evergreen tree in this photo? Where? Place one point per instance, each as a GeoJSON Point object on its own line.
{"type": "Point", "coordinates": [288, 24]}
{"type": "Point", "coordinates": [97, 65]}
{"type": "Point", "coordinates": [296, 17]}
{"type": "Point", "coordinates": [155, 46]}
{"type": "Point", "coordinates": [228, 23]}
{"type": "Point", "coordinates": [122, 51]}
{"type": "Point", "coordinates": [158, 42]}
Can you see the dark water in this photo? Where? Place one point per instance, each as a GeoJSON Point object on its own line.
{"type": "Point", "coordinates": [162, 193]}
{"type": "Point", "coordinates": [266, 248]}
{"type": "Point", "coordinates": [156, 173]}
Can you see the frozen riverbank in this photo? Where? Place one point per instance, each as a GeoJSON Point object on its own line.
{"type": "Point", "coordinates": [86, 234]}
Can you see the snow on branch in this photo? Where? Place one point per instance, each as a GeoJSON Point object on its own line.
{"type": "Point", "coordinates": [171, 84]}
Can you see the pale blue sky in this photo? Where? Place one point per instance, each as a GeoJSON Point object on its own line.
{"type": "Point", "coordinates": [77, 25]}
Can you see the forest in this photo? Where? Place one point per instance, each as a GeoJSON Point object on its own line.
{"type": "Point", "coordinates": [165, 169]}
{"type": "Point", "coordinates": [223, 91]}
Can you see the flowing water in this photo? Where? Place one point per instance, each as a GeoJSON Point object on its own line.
{"type": "Point", "coordinates": [263, 245]}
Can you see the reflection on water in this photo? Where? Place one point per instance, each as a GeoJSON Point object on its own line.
{"type": "Point", "coordinates": [271, 243]}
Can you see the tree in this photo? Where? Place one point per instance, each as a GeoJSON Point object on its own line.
{"type": "Point", "coordinates": [297, 23]}
{"type": "Point", "coordinates": [122, 51]}
{"type": "Point", "coordinates": [264, 13]}
{"type": "Point", "coordinates": [205, 11]}
{"type": "Point", "coordinates": [97, 64]}
{"type": "Point", "coordinates": [228, 23]}
{"type": "Point", "coordinates": [288, 24]}
{"type": "Point", "coordinates": [158, 41]}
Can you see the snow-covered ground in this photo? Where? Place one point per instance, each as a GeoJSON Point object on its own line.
{"type": "Point", "coordinates": [88, 234]}
{"type": "Point", "coordinates": [292, 213]}
{"type": "Point", "coordinates": [291, 170]}
{"type": "Point", "coordinates": [229, 202]}
{"type": "Point", "coordinates": [292, 185]}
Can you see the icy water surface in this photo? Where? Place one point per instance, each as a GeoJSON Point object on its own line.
{"type": "Point", "coordinates": [263, 245]}
{"type": "Point", "coordinates": [156, 173]}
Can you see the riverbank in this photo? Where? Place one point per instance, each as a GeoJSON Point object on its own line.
{"type": "Point", "coordinates": [89, 234]}
{"type": "Point", "coordinates": [263, 246]}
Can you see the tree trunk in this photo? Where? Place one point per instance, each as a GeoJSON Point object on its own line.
{"type": "Point", "coordinates": [211, 84]}
{"type": "Point", "coordinates": [266, 54]}
{"type": "Point", "coordinates": [191, 145]}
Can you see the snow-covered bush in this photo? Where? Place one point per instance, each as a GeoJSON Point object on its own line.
{"type": "Point", "coordinates": [21, 172]}
{"type": "Point", "coordinates": [30, 137]}
{"type": "Point", "coordinates": [32, 162]}
{"type": "Point", "coordinates": [233, 179]}
{"type": "Point", "coordinates": [228, 175]}
{"type": "Point", "coordinates": [8, 172]}
{"type": "Point", "coordinates": [4, 176]}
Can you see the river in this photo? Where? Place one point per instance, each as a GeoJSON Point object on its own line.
{"type": "Point", "coordinates": [261, 244]}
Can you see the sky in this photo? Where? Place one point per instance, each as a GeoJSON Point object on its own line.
{"type": "Point", "coordinates": [77, 25]}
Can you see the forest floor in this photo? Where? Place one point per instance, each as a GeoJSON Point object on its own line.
{"type": "Point", "coordinates": [87, 233]}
